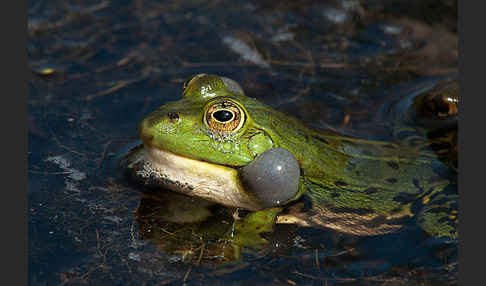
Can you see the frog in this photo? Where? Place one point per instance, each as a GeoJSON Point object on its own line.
{"type": "Point", "coordinates": [425, 115]}
{"type": "Point", "coordinates": [220, 145]}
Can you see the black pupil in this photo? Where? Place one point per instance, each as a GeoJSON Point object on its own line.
{"type": "Point", "coordinates": [223, 115]}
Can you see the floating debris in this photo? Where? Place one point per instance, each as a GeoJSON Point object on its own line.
{"type": "Point", "coordinates": [391, 29]}
{"type": "Point", "coordinates": [134, 256]}
{"type": "Point", "coordinates": [47, 69]}
{"type": "Point", "coordinates": [245, 51]}
{"type": "Point", "coordinates": [73, 177]}
{"type": "Point", "coordinates": [64, 164]}
{"type": "Point", "coordinates": [113, 219]}
{"type": "Point", "coordinates": [336, 16]}
{"type": "Point", "coordinates": [283, 36]}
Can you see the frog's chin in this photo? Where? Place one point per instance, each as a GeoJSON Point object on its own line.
{"type": "Point", "coordinates": [213, 182]}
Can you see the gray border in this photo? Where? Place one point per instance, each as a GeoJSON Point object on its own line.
{"type": "Point", "coordinates": [14, 94]}
{"type": "Point", "coordinates": [471, 154]}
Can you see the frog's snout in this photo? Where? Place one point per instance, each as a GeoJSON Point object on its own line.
{"type": "Point", "coordinates": [159, 122]}
{"type": "Point", "coordinates": [168, 122]}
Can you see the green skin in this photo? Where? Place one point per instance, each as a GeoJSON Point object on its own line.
{"type": "Point", "coordinates": [356, 186]}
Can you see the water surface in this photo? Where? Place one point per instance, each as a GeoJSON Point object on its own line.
{"type": "Point", "coordinates": [99, 67]}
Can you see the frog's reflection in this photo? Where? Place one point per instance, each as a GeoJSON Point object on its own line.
{"type": "Point", "coordinates": [191, 227]}
{"type": "Point", "coordinates": [199, 230]}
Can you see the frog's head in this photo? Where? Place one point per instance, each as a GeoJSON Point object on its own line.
{"type": "Point", "coordinates": [210, 123]}
{"type": "Point", "coordinates": [211, 131]}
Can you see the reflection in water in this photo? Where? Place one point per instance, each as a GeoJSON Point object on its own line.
{"type": "Point", "coordinates": [191, 227]}
{"type": "Point", "coordinates": [196, 230]}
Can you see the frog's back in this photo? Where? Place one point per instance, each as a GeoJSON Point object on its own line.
{"type": "Point", "coordinates": [368, 187]}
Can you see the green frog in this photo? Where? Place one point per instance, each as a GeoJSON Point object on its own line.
{"type": "Point", "coordinates": [220, 145]}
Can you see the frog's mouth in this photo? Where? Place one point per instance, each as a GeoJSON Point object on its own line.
{"type": "Point", "coordinates": [213, 182]}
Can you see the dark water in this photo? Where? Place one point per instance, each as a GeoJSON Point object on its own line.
{"type": "Point", "coordinates": [100, 66]}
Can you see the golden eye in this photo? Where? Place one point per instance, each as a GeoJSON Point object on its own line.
{"type": "Point", "coordinates": [224, 116]}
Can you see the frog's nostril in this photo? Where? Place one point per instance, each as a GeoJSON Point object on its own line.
{"type": "Point", "coordinates": [173, 117]}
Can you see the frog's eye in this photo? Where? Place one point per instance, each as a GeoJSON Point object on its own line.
{"type": "Point", "coordinates": [441, 105]}
{"type": "Point", "coordinates": [224, 116]}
